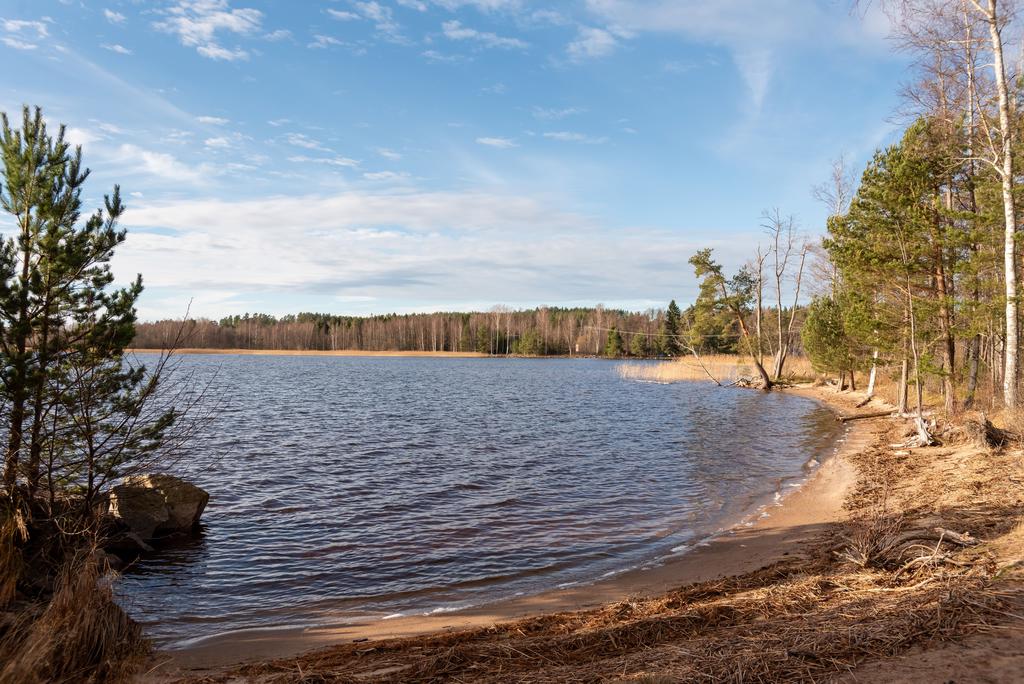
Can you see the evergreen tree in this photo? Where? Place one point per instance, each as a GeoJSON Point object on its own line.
{"type": "Point", "coordinates": [733, 295]}
{"type": "Point", "coordinates": [63, 331]}
{"type": "Point", "coordinates": [613, 345]}
{"type": "Point", "coordinates": [638, 345]}
{"type": "Point", "coordinates": [529, 344]}
{"type": "Point", "coordinates": [903, 245]}
{"type": "Point", "coordinates": [824, 337]}
{"type": "Point", "coordinates": [669, 334]}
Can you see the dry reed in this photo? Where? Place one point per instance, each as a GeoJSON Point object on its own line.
{"type": "Point", "coordinates": [12, 530]}
{"type": "Point", "coordinates": [725, 368]}
{"type": "Point", "coordinates": [82, 635]}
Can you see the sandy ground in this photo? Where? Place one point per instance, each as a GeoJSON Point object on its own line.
{"type": "Point", "coordinates": [798, 518]}
{"type": "Point", "coordinates": [311, 352]}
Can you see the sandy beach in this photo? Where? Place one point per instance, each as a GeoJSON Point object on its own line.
{"type": "Point", "coordinates": [763, 537]}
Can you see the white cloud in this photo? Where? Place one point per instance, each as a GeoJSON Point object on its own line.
{"type": "Point", "coordinates": [212, 120]}
{"type": "Point", "coordinates": [81, 136]}
{"type": "Point", "coordinates": [36, 29]}
{"type": "Point", "coordinates": [115, 47]}
{"type": "Point", "coordinates": [18, 44]}
{"type": "Point", "coordinates": [482, 5]}
{"type": "Point", "coordinates": [220, 142]}
{"type": "Point", "coordinates": [327, 161]}
{"type": "Point", "coordinates": [342, 15]}
{"type": "Point", "coordinates": [197, 24]}
{"type": "Point", "coordinates": [550, 17]}
{"type": "Point", "coordinates": [401, 244]}
{"type": "Point", "coordinates": [454, 30]}
{"type": "Point", "coordinates": [501, 143]}
{"type": "Point", "coordinates": [417, 5]}
{"type": "Point", "coordinates": [22, 34]}
{"type": "Point", "coordinates": [435, 56]}
{"type": "Point", "coordinates": [304, 141]}
{"type": "Point", "coordinates": [382, 17]}
{"type": "Point", "coordinates": [114, 17]}
{"type": "Point", "coordinates": [214, 51]}
{"type": "Point", "coordinates": [321, 42]}
{"type": "Point", "coordinates": [754, 31]}
{"type": "Point", "coordinates": [388, 154]}
{"type": "Point", "coordinates": [546, 114]}
{"type": "Point", "coordinates": [591, 43]}
{"type": "Point", "coordinates": [161, 165]}
{"type": "Point", "coordinates": [756, 66]}
{"type": "Point", "coordinates": [386, 176]}
{"type": "Point", "coordinates": [570, 136]}
{"type": "Point", "coordinates": [279, 34]}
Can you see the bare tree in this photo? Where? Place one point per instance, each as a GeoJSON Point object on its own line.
{"type": "Point", "coordinates": [785, 247]}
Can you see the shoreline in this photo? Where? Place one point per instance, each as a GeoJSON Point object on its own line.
{"type": "Point", "coordinates": [312, 352]}
{"type": "Point", "coordinates": [753, 542]}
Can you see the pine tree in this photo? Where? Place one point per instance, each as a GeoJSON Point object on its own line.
{"type": "Point", "coordinates": [824, 337]}
{"type": "Point", "coordinates": [732, 295]}
{"type": "Point", "coordinates": [668, 337]}
{"type": "Point", "coordinates": [638, 345]}
{"type": "Point", "coordinates": [63, 331]}
{"type": "Point", "coordinates": [613, 345]}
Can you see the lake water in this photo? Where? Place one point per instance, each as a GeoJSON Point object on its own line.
{"type": "Point", "coordinates": [348, 487]}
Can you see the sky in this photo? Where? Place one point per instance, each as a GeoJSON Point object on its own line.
{"type": "Point", "coordinates": [357, 157]}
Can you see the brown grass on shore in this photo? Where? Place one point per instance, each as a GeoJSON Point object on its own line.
{"type": "Point", "coordinates": [81, 635]}
{"type": "Point", "coordinates": [315, 352]}
{"type": "Point", "coordinates": [931, 553]}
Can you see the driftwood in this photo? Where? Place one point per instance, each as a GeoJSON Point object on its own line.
{"type": "Point", "coordinates": [924, 435]}
{"type": "Point", "coordinates": [865, 402]}
{"type": "Point", "coordinates": [863, 416]}
{"type": "Point", "coordinates": [937, 534]}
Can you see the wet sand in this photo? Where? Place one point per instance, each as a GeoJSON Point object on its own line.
{"type": "Point", "coordinates": [750, 545]}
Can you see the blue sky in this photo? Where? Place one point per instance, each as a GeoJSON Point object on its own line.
{"type": "Point", "coordinates": [415, 155]}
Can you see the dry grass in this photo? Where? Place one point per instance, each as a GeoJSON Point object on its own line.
{"type": "Point", "coordinates": [868, 589]}
{"type": "Point", "coordinates": [12, 531]}
{"type": "Point", "coordinates": [82, 635]}
{"type": "Point", "coordinates": [725, 368]}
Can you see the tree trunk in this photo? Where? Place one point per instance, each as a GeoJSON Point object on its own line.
{"type": "Point", "coordinates": [1009, 214]}
{"type": "Point", "coordinates": [871, 375]}
{"type": "Point", "coordinates": [904, 381]}
{"type": "Point", "coordinates": [19, 366]}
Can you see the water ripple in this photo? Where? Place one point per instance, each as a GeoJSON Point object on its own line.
{"type": "Point", "coordinates": [371, 486]}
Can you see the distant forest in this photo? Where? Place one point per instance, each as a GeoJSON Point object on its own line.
{"type": "Point", "coordinates": [543, 331]}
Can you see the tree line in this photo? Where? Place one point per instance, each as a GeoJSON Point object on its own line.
{"type": "Point", "coordinates": [922, 260]}
{"type": "Point", "coordinates": [704, 327]}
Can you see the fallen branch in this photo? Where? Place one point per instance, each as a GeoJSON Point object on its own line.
{"type": "Point", "coordinates": [863, 416]}
{"type": "Point", "coordinates": [937, 534]}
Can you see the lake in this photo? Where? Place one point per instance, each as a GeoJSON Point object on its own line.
{"type": "Point", "coordinates": [344, 488]}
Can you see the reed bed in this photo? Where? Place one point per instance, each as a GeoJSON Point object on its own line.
{"type": "Point", "coordinates": [724, 368]}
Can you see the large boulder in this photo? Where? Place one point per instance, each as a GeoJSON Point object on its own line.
{"type": "Point", "coordinates": [157, 505]}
